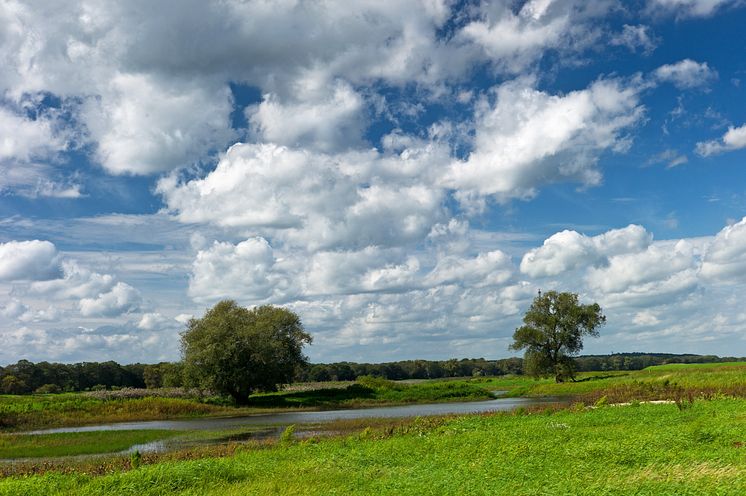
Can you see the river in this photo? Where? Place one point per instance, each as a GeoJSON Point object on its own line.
{"type": "Point", "coordinates": [314, 417]}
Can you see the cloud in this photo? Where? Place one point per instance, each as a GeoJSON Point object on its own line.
{"type": "Point", "coordinates": [486, 269]}
{"type": "Point", "coordinates": [367, 198]}
{"type": "Point", "coordinates": [24, 139]}
{"type": "Point", "coordinates": [120, 299]}
{"type": "Point", "coordinates": [733, 139]}
{"type": "Point", "coordinates": [672, 158]}
{"type": "Point", "coordinates": [154, 321]}
{"type": "Point", "coordinates": [328, 118]}
{"type": "Point", "coordinates": [636, 38]}
{"type": "Point", "coordinates": [688, 8]}
{"type": "Point", "coordinates": [37, 180]}
{"type": "Point", "coordinates": [95, 294]}
{"type": "Point", "coordinates": [246, 270]}
{"type": "Point", "coordinates": [725, 258]}
{"type": "Point", "coordinates": [568, 250]}
{"type": "Point", "coordinates": [645, 318]}
{"type": "Point", "coordinates": [161, 99]}
{"type": "Point", "coordinates": [513, 40]}
{"type": "Point", "coordinates": [28, 261]}
{"type": "Point", "coordinates": [686, 74]}
{"type": "Point", "coordinates": [76, 282]}
{"type": "Point", "coordinates": [144, 127]}
{"type": "Point", "coordinates": [14, 309]}
{"type": "Point", "coordinates": [656, 264]}
{"type": "Point", "coordinates": [123, 343]}
{"type": "Point", "coordinates": [21, 312]}
{"type": "Point", "coordinates": [529, 137]}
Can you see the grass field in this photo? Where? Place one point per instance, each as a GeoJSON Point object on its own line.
{"type": "Point", "coordinates": [639, 449]}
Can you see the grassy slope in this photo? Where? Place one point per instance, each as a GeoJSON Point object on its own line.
{"type": "Point", "coordinates": [646, 449]}
{"type": "Point", "coordinates": [650, 383]}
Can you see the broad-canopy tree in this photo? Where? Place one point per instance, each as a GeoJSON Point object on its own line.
{"type": "Point", "coordinates": [553, 331]}
{"type": "Point", "coordinates": [236, 351]}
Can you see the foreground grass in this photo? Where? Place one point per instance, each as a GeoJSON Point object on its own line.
{"type": "Point", "coordinates": [644, 449]}
{"type": "Point", "coordinates": [75, 443]}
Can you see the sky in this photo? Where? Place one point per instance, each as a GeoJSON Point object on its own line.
{"type": "Point", "coordinates": [406, 176]}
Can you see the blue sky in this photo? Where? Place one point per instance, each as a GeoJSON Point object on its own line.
{"type": "Point", "coordinates": [404, 175]}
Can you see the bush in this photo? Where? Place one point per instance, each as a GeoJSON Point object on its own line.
{"type": "Point", "coordinates": [287, 435]}
{"type": "Point", "coordinates": [377, 382]}
{"type": "Point", "coordinates": [48, 389]}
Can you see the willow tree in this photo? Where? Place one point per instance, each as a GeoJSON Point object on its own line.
{"type": "Point", "coordinates": [236, 351]}
{"type": "Point", "coordinates": [552, 334]}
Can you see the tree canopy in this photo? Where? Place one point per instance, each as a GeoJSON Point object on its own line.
{"type": "Point", "coordinates": [553, 331]}
{"type": "Point", "coordinates": [236, 351]}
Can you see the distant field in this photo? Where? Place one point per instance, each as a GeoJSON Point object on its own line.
{"type": "Point", "coordinates": [643, 449]}
{"type": "Point", "coordinates": [677, 366]}
{"type": "Point", "coordinates": [659, 382]}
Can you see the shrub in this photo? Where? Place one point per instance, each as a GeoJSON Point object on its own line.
{"type": "Point", "coordinates": [48, 389]}
{"type": "Point", "coordinates": [287, 435]}
{"type": "Point", "coordinates": [377, 382]}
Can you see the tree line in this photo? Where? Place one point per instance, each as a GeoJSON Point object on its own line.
{"type": "Point", "coordinates": [26, 377]}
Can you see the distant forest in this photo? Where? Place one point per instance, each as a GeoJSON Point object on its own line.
{"type": "Point", "coordinates": [26, 377]}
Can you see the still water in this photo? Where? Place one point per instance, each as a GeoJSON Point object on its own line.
{"type": "Point", "coordinates": [288, 418]}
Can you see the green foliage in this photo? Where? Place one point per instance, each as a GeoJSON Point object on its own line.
{"type": "Point", "coordinates": [236, 351]}
{"type": "Point", "coordinates": [11, 384]}
{"type": "Point", "coordinates": [553, 331]}
{"type": "Point", "coordinates": [48, 389]}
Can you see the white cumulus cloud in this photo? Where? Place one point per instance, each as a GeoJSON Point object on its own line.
{"type": "Point", "coordinates": [568, 250]}
{"type": "Point", "coordinates": [686, 74]}
{"type": "Point", "coordinates": [725, 257]}
{"type": "Point", "coordinates": [28, 261]}
{"type": "Point", "coordinates": [120, 299]}
{"type": "Point", "coordinates": [529, 137]}
{"type": "Point", "coordinates": [733, 139]}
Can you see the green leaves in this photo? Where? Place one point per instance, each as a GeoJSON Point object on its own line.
{"type": "Point", "coordinates": [553, 331]}
{"type": "Point", "coordinates": [235, 351]}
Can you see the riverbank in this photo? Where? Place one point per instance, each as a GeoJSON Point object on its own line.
{"type": "Point", "coordinates": [32, 412]}
{"type": "Point", "coordinates": [667, 382]}
{"type": "Point", "coordinates": [636, 449]}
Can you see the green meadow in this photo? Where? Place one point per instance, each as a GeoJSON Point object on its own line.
{"type": "Point", "coordinates": [652, 449]}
